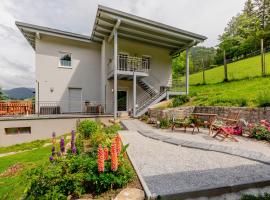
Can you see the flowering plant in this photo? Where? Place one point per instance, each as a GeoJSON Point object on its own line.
{"type": "Point", "coordinates": [261, 131]}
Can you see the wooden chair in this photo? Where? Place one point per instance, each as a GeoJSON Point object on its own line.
{"type": "Point", "coordinates": [224, 126]}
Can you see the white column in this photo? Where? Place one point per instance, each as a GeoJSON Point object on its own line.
{"type": "Point", "coordinates": [102, 71]}
{"type": "Point", "coordinates": [115, 53]}
{"type": "Point", "coordinates": [187, 71]}
{"type": "Point", "coordinates": [134, 94]}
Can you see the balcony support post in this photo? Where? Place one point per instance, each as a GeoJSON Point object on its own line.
{"type": "Point", "coordinates": [134, 94]}
{"type": "Point", "coordinates": [187, 71]}
{"type": "Point", "coordinates": [115, 50]}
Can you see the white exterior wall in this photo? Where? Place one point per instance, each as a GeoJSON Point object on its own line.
{"type": "Point", "coordinates": [160, 73]}
{"type": "Point", "coordinates": [85, 72]}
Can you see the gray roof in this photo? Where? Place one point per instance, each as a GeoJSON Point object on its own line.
{"type": "Point", "coordinates": [128, 27]}
{"type": "Point", "coordinates": [31, 31]}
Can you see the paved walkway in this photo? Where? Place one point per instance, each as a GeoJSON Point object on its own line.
{"type": "Point", "coordinates": [170, 170]}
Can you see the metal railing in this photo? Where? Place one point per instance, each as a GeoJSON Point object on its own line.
{"type": "Point", "coordinates": [22, 108]}
{"type": "Point", "coordinates": [129, 63]}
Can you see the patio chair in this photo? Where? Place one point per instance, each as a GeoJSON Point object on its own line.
{"type": "Point", "coordinates": [182, 122]}
{"type": "Point", "coordinates": [224, 126]}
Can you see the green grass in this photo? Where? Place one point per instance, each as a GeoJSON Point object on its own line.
{"type": "Point", "coordinates": [23, 146]}
{"type": "Point", "coordinates": [235, 93]}
{"type": "Point", "coordinates": [243, 89]}
{"type": "Point", "coordinates": [12, 187]}
{"type": "Point", "coordinates": [243, 69]}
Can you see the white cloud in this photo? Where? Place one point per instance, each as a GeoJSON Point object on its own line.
{"type": "Point", "coordinates": [207, 17]}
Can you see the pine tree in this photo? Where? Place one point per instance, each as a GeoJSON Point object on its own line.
{"type": "Point", "coordinates": [249, 8]}
{"type": "Point", "coordinates": [263, 12]}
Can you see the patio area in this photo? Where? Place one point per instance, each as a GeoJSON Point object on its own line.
{"type": "Point", "coordinates": [175, 165]}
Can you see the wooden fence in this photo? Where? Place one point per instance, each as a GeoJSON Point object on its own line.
{"type": "Point", "coordinates": [16, 107]}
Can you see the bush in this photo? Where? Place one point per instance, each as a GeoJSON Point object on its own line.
{"type": "Point", "coordinates": [164, 123]}
{"type": "Point", "coordinates": [241, 102]}
{"type": "Point", "coordinates": [75, 175]}
{"type": "Point", "coordinates": [264, 99]}
{"type": "Point", "coordinates": [180, 100]}
{"type": "Point", "coordinates": [259, 197]}
{"type": "Point", "coordinates": [87, 128]}
{"type": "Point", "coordinates": [112, 130]}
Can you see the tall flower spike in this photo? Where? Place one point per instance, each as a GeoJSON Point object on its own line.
{"type": "Point", "coordinates": [72, 139]}
{"type": "Point", "coordinates": [114, 158]}
{"type": "Point", "coordinates": [53, 151]}
{"type": "Point", "coordinates": [100, 159]}
{"type": "Point", "coordinates": [118, 144]}
{"type": "Point", "coordinates": [106, 153]}
{"type": "Point", "coordinates": [62, 145]}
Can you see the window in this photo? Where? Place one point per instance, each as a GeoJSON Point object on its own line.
{"type": "Point", "coordinates": [146, 62]}
{"type": "Point", "coordinates": [65, 60]}
{"type": "Point", "coordinates": [18, 130]}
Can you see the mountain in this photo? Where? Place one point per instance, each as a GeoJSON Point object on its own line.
{"type": "Point", "coordinates": [20, 93]}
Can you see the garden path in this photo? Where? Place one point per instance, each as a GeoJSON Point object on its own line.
{"type": "Point", "coordinates": [168, 169]}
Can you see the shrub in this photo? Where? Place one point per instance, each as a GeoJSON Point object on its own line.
{"type": "Point", "coordinates": [264, 99]}
{"type": "Point", "coordinates": [112, 130]}
{"type": "Point", "coordinates": [87, 128]}
{"type": "Point", "coordinates": [259, 197]}
{"type": "Point", "coordinates": [164, 123]}
{"type": "Point", "coordinates": [180, 100]}
{"type": "Point", "coordinates": [75, 175]}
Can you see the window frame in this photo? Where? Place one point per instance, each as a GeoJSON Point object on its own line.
{"type": "Point", "coordinates": [62, 53]}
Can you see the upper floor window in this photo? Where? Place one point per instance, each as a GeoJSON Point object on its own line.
{"type": "Point", "coordinates": [146, 62]}
{"type": "Point", "coordinates": [65, 60]}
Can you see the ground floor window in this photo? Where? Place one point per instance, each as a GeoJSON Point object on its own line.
{"type": "Point", "coordinates": [18, 130]}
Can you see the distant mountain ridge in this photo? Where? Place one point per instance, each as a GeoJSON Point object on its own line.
{"type": "Point", "coordinates": [20, 93]}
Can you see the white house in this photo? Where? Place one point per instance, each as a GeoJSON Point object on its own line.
{"type": "Point", "coordinates": [125, 65]}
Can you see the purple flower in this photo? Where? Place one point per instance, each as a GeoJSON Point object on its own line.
{"type": "Point", "coordinates": [51, 158]}
{"type": "Point", "coordinates": [62, 145]}
{"type": "Point", "coordinates": [53, 135]}
{"type": "Point", "coordinates": [74, 150]}
{"type": "Point", "coordinates": [53, 151]}
{"type": "Point", "coordinates": [72, 139]}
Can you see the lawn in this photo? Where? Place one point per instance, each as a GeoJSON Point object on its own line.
{"type": "Point", "coordinates": [12, 187]}
{"type": "Point", "coordinates": [235, 93]}
{"type": "Point", "coordinates": [247, 68]}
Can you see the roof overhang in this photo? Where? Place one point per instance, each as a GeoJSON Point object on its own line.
{"type": "Point", "coordinates": [32, 32]}
{"type": "Point", "coordinates": [139, 29]}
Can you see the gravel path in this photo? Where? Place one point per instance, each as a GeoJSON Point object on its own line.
{"type": "Point", "coordinates": [173, 171]}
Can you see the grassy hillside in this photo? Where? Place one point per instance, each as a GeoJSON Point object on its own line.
{"type": "Point", "coordinates": [250, 67]}
{"type": "Point", "coordinates": [244, 89]}
{"type": "Point", "coordinates": [235, 93]}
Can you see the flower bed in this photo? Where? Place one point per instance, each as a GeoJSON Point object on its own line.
{"type": "Point", "coordinates": [260, 131]}
{"type": "Point", "coordinates": [75, 171]}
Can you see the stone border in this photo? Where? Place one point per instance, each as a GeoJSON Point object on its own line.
{"type": "Point", "coordinates": [251, 155]}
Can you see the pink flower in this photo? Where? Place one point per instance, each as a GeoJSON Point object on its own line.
{"type": "Point", "coordinates": [268, 129]}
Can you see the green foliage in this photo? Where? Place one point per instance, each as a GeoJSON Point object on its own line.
{"type": "Point", "coordinates": [241, 102]}
{"type": "Point", "coordinates": [180, 100]}
{"type": "Point", "coordinates": [253, 197]}
{"type": "Point", "coordinates": [164, 123]}
{"type": "Point", "coordinates": [261, 133]}
{"type": "Point", "coordinates": [23, 146]}
{"type": "Point", "coordinates": [112, 130]}
{"type": "Point", "coordinates": [264, 99]}
{"type": "Point", "coordinates": [87, 128]}
{"type": "Point", "coordinates": [75, 175]}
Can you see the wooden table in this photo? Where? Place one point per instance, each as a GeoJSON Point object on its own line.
{"type": "Point", "coordinates": [211, 118]}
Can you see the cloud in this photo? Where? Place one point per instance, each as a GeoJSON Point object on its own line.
{"type": "Point", "coordinates": [207, 17]}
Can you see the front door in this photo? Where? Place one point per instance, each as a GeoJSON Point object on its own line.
{"type": "Point", "coordinates": [122, 101]}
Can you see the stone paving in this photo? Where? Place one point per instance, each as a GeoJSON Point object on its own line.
{"type": "Point", "coordinates": [172, 171]}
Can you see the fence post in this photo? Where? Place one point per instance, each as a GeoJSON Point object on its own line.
{"type": "Point", "coordinates": [204, 82]}
{"type": "Point", "coordinates": [225, 67]}
{"type": "Point", "coordinates": [262, 58]}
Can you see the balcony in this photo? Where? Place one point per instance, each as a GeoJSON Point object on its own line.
{"type": "Point", "coordinates": [128, 65]}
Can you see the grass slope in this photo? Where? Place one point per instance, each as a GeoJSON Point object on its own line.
{"type": "Point", "coordinates": [243, 89]}
{"type": "Point", "coordinates": [235, 93]}
{"type": "Point", "coordinates": [247, 68]}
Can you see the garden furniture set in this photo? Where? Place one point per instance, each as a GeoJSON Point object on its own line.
{"type": "Point", "coordinates": [224, 127]}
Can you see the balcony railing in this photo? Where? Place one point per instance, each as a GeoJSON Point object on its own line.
{"type": "Point", "coordinates": [129, 63]}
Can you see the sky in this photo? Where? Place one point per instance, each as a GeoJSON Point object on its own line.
{"type": "Point", "coordinates": [17, 58]}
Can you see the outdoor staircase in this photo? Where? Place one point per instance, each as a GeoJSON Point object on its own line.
{"type": "Point", "coordinates": [147, 87]}
{"type": "Point", "coordinates": [149, 97]}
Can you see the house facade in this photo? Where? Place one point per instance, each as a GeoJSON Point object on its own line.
{"type": "Point", "coordinates": [124, 66]}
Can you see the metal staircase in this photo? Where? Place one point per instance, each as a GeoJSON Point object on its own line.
{"type": "Point", "coordinates": [149, 97]}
